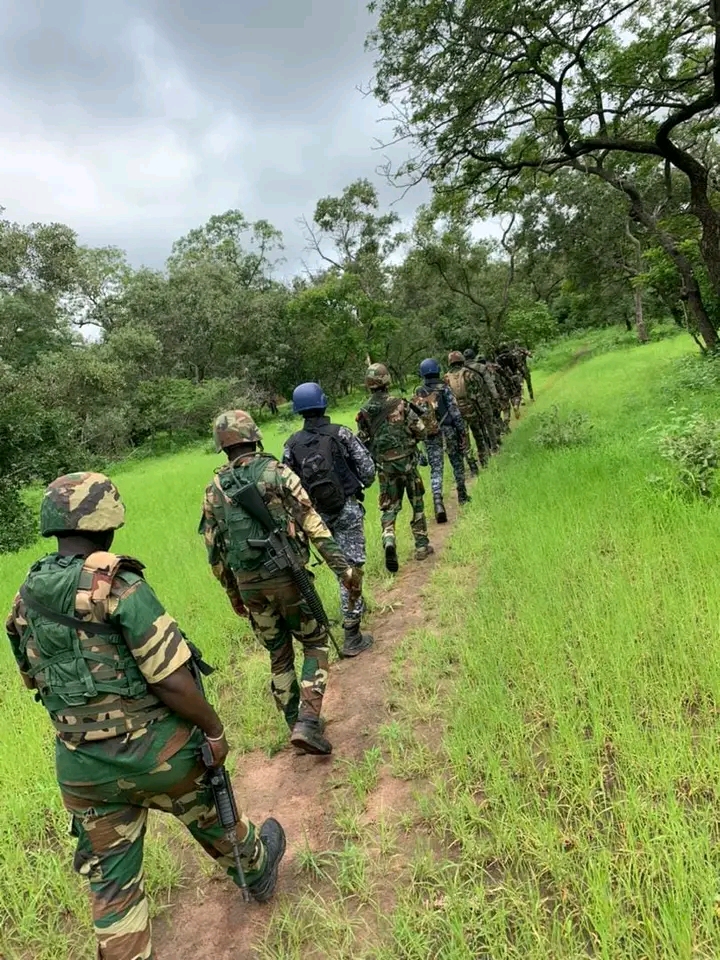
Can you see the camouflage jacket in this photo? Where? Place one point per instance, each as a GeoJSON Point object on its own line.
{"type": "Point", "coordinates": [443, 413]}
{"type": "Point", "coordinates": [389, 428]}
{"type": "Point", "coordinates": [111, 590]}
{"type": "Point", "coordinates": [481, 371]}
{"type": "Point", "coordinates": [287, 501]}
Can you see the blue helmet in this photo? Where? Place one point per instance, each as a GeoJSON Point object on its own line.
{"type": "Point", "coordinates": [309, 396]}
{"type": "Point", "coordinates": [430, 368]}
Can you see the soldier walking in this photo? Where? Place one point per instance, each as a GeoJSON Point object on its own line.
{"type": "Point", "coordinates": [334, 467]}
{"type": "Point", "coordinates": [110, 666]}
{"type": "Point", "coordinates": [445, 430]}
{"type": "Point", "coordinates": [475, 402]}
{"type": "Point", "coordinates": [390, 430]}
{"type": "Point", "coordinates": [272, 600]}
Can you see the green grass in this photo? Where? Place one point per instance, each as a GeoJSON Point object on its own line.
{"type": "Point", "coordinates": [570, 681]}
{"type": "Point", "coordinates": [560, 709]}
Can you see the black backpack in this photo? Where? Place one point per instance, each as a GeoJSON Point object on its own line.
{"type": "Point", "coordinates": [323, 470]}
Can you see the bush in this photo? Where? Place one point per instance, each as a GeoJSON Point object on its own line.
{"type": "Point", "coordinates": [555, 431]}
{"type": "Point", "coordinates": [691, 444]}
{"type": "Point", "coordinates": [18, 526]}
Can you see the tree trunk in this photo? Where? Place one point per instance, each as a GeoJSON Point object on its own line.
{"type": "Point", "coordinates": [639, 315]}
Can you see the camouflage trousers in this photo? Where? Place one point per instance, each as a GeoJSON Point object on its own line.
{"type": "Point", "coordinates": [398, 478]}
{"type": "Point", "coordinates": [348, 529]}
{"type": "Point", "coordinates": [278, 614]}
{"type": "Point", "coordinates": [110, 814]}
{"type": "Point", "coordinates": [480, 424]}
{"type": "Point", "coordinates": [436, 446]}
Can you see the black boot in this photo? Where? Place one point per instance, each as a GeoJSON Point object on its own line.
{"type": "Point", "coordinates": [440, 514]}
{"type": "Point", "coordinates": [308, 736]}
{"type": "Point", "coordinates": [463, 495]}
{"type": "Point", "coordinates": [355, 641]}
{"type": "Point", "coordinates": [391, 558]}
{"type": "Point", "coordinates": [272, 837]}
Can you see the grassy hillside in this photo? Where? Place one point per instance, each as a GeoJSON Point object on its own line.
{"type": "Point", "coordinates": [563, 701]}
{"type": "Point", "coordinates": [563, 706]}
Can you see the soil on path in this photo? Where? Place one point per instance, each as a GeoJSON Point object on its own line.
{"type": "Point", "coordinates": [211, 922]}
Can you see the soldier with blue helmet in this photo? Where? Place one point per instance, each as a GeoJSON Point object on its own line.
{"type": "Point", "coordinates": [446, 430]}
{"type": "Point", "coordinates": [334, 468]}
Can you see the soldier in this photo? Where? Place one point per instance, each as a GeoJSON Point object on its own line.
{"type": "Point", "coordinates": [445, 429]}
{"type": "Point", "coordinates": [111, 668]}
{"type": "Point", "coordinates": [335, 468]}
{"type": "Point", "coordinates": [485, 399]}
{"type": "Point", "coordinates": [390, 430]}
{"type": "Point", "coordinates": [272, 600]}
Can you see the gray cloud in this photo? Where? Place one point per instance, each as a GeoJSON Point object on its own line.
{"type": "Point", "coordinates": [134, 121]}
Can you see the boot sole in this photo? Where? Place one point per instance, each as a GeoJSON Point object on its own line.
{"type": "Point", "coordinates": [391, 560]}
{"type": "Point", "coordinates": [307, 746]}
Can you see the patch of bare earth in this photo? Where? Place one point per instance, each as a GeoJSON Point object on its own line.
{"type": "Point", "coordinates": [211, 922]}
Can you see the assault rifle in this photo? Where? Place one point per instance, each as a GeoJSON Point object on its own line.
{"type": "Point", "coordinates": [282, 554]}
{"type": "Point", "coordinates": [218, 779]}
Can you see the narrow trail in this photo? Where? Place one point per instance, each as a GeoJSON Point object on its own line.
{"type": "Point", "coordinates": [211, 922]}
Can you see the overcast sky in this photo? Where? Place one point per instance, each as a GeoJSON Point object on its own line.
{"type": "Point", "coordinates": [135, 120]}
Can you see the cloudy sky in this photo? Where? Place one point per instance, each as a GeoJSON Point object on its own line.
{"type": "Point", "coordinates": [135, 120]}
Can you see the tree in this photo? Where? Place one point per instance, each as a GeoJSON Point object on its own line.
{"type": "Point", "coordinates": [489, 90]}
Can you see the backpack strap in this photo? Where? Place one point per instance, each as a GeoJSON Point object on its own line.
{"type": "Point", "coordinates": [383, 414]}
{"type": "Point", "coordinates": [87, 626]}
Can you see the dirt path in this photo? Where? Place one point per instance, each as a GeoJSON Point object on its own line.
{"type": "Point", "coordinates": [211, 923]}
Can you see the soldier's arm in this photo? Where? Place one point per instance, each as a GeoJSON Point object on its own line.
{"type": "Point", "coordinates": [160, 651]}
{"type": "Point", "coordinates": [414, 424]}
{"type": "Point", "coordinates": [14, 626]}
{"type": "Point", "coordinates": [287, 457]}
{"type": "Point", "coordinates": [217, 551]}
{"type": "Point", "coordinates": [490, 384]}
{"type": "Point", "coordinates": [359, 456]}
{"type": "Point", "coordinates": [363, 431]}
{"type": "Point", "coordinates": [456, 418]}
{"type": "Point", "coordinates": [298, 505]}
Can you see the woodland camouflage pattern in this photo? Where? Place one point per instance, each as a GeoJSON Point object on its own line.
{"type": "Point", "coordinates": [274, 604]}
{"type": "Point", "coordinates": [235, 426]}
{"type": "Point", "coordinates": [394, 448]}
{"type": "Point", "coordinates": [474, 397]}
{"type": "Point", "coordinates": [377, 376]}
{"type": "Point", "coordinates": [139, 756]}
{"type": "Point", "coordinates": [81, 501]}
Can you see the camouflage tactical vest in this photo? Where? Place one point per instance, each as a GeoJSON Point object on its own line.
{"type": "Point", "coordinates": [236, 525]}
{"type": "Point", "coordinates": [89, 683]}
{"type": "Point", "coordinates": [456, 379]}
{"type": "Point", "coordinates": [434, 406]}
{"type": "Point", "coordinates": [390, 438]}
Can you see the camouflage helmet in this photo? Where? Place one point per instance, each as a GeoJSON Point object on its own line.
{"type": "Point", "coordinates": [455, 357]}
{"type": "Point", "coordinates": [235, 426]}
{"type": "Point", "coordinates": [377, 376]}
{"type": "Point", "coordinates": [82, 502]}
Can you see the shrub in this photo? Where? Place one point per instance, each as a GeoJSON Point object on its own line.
{"type": "Point", "coordinates": [555, 431]}
{"type": "Point", "coordinates": [691, 444]}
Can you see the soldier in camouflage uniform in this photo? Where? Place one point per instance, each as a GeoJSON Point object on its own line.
{"type": "Point", "coordinates": [353, 470]}
{"type": "Point", "coordinates": [475, 402]}
{"type": "Point", "coordinates": [94, 643]}
{"type": "Point", "coordinates": [390, 430]}
{"type": "Point", "coordinates": [490, 399]}
{"type": "Point", "coordinates": [272, 601]}
{"type": "Point", "coordinates": [511, 373]}
{"type": "Point", "coordinates": [446, 430]}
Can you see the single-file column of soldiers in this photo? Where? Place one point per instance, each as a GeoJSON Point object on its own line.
{"type": "Point", "coordinates": [94, 644]}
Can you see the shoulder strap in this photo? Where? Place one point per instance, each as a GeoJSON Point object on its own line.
{"type": "Point", "coordinates": [87, 626]}
{"type": "Point", "coordinates": [383, 414]}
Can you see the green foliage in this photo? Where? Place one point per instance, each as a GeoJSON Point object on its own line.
{"type": "Point", "coordinates": [531, 324]}
{"type": "Point", "coordinates": [691, 444]}
{"type": "Point", "coordinates": [555, 430]}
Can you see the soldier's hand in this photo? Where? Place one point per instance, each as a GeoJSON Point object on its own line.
{"type": "Point", "coordinates": [422, 460]}
{"type": "Point", "coordinates": [238, 606]}
{"type": "Point", "coordinates": [219, 749]}
{"type": "Point", "coordinates": [352, 581]}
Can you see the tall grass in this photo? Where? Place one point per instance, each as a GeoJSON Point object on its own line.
{"type": "Point", "coordinates": [569, 690]}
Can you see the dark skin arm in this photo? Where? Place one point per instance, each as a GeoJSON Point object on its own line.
{"type": "Point", "coordinates": [180, 694]}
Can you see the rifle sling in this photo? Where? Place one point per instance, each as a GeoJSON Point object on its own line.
{"type": "Point", "coordinates": [87, 626]}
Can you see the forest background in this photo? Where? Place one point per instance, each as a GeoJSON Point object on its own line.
{"type": "Point", "coordinates": [587, 131]}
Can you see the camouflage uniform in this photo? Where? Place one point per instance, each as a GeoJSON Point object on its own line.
{"type": "Point", "coordinates": [348, 527]}
{"type": "Point", "coordinates": [474, 399]}
{"type": "Point", "coordinates": [502, 409]}
{"type": "Point", "coordinates": [119, 751]}
{"type": "Point", "coordinates": [391, 430]}
{"type": "Point", "coordinates": [449, 434]}
{"type": "Point", "coordinates": [273, 602]}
